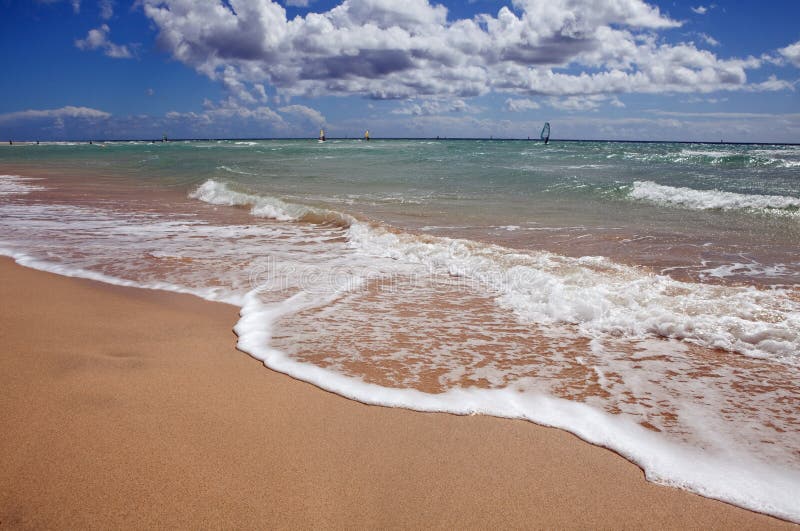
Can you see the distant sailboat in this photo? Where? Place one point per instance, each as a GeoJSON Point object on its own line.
{"type": "Point", "coordinates": [322, 135]}
{"type": "Point", "coordinates": [366, 135]}
{"type": "Point", "coordinates": [545, 132]}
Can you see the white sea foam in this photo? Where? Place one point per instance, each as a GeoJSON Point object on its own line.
{"type": "Point", "coordinates": [725, 475]}
{"type": "Point", "coordinates": [145, 249]}
{"type": "Point", "coordinates": [16, 185]}
{"type": "Point", "coordinates": [749, 158]}
{"type": "Point", "coordinates": [709, 199]}
{"type": "Point", "coordinates": [605, 299]}
{"type": "Point", "coordinates": [737, 269]}
{"type": "Point", "coordinates": [708, 153]}
{"type": "Point", "coordinates": [209, 294]}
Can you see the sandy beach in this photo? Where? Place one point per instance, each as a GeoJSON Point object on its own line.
{"type": "Point", "coordinates": [132, 408]}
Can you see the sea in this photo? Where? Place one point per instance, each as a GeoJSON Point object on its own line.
{"type": "Point", "coordinates": [643, 296]}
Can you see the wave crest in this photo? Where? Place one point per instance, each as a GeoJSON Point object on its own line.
{"type": "Point", "coordinates": [710, 199]}
{"type": "Point", "coordinates": [219, 193]}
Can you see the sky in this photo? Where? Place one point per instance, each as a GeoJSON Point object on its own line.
{"type": "Point", "coordinates": [595, 69]}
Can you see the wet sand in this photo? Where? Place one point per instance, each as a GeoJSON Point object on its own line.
{"type": "Point", "coordinates": [131, 408]}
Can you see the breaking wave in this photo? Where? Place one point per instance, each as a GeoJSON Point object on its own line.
{"type": "Point", "coordinates": [220, 193]}
{"type": "Point", "coordinates": [602, 298]}
{"type": "Point", "coordinates": [711, 199]}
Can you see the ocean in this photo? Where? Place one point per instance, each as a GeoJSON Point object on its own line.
{"type": "Point", "coordinates": [643, 296]}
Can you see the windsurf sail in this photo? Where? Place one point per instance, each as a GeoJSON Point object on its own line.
{"type": "Point", "coordinates": [546, 132]}
{"type": "Point", "coordinates": [322, 135]}
{"type": "Point", "coordinates": [366, 135]}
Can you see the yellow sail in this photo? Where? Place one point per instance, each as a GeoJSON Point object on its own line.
{"type": "Point", "coordinates": [366, 135]}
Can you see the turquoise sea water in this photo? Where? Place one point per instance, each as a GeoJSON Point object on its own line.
{"type": "Point", "coordinates": [644, 296]}
{"type": "Point", "coordinates": [650, 204]}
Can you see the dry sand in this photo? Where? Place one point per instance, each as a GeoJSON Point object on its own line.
{"type": "Point", "coordinates": [131, 408]}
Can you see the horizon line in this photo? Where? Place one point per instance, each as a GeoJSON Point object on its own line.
{"type": "Point", "coordinates": [439, 138]}
{"type": "Point", "coordinates": [358, 138]}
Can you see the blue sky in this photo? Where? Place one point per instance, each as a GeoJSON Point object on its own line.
{"type": "Point", "coordinates": [613, 69]}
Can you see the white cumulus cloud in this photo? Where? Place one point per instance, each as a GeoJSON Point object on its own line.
{"type": "Point", "coordinates": [708, 39]}
{"type": "Point", "coordinates": [306, 113]}
{"type": "Point", "coordinates": [59, 114]}
{"type": "Point", "coordinates": [384, 49]}
{"type": "Point", "coordinates": [792, 53]}
{"type": "Point", "coordinates": [430, 107]}
{"type": "Point", "coordinates": [519, 105]}
{"type": "Point", "coordinates": [97, 39]}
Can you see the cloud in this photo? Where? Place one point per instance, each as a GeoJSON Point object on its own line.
{"type": "Point", "coordinates": [261, 92]}
{"type": "Point", "coordinates": [577, 103]}
{"type": "Point", "coordinates": [297, 3]}
{"type": "Point", "coordinates": [235, 86]}
{"type": "Point", "coordinates": [584, 103]}
{"type": "Point", "coordinates": [771, 84]}
{"type": "Point", "coordinates": [106, 9]}
{"type": "Point", "coordinates": [69, 111]}
{"type": "Point", "coordinates": [383, 49]}
{"type": "Point", "coordinates": [98, 39]}
{"type": "Point", "coordinates": [792, 53]}
{"type": "Point", "coordinates": [712, 101]}
{"type": "Point", "coordinates": [708, 39]}
{"type": "Point", "coordinates": [700, 10]}
{"type": "Point", "coordinates": [227, 118]}
{"type": "Point", "coordinates": [65, 122]}
{"type": "Point", "coordinates": [726, 115]}
{"type": "Point", "coordinates": [306, 113]}
{"type": "Point", "coordinates": [520, 105]}
{"type": "Point", "coordinates": [431, 107]}
{"type": "Point", "coordinates": [230, 109]}
{"type": "Point", "coordinates": [76, 4]}
{"type": "Point", "coordinates": [566, 55]}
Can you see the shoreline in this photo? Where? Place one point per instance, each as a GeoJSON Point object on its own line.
{"type": "Point", "coordinates": [131, 407]}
